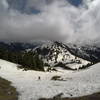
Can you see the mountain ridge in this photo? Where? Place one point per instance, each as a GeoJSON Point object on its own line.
{"type": "Point", "coordinates": [56, 54]}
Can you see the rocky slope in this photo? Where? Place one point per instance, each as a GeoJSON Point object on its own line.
{"type": "Point", "coordinates": [69, 56]}
{"type": "Point", "coordinates": [58, 55]}
{"type": "Point", "coordinates": [88, 52]}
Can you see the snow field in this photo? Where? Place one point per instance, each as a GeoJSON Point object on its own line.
{"type": "Point", "coordinates": [77, 83]}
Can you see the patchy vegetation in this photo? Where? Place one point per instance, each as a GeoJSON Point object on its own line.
{"type": "Point", "coordinates": [7, 92]}
{"type": "Point", "coordinates": [57, 78]}
{"type": "Point", "coordinates": [28, 60]}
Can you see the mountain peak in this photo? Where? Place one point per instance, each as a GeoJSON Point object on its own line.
{"type": "Point", "coordinates": [58, 54]}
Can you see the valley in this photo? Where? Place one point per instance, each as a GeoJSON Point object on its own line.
{"type": "Point", "coordinates": [73, 84]}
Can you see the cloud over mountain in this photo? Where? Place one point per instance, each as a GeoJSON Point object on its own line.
{"type": "Point", "coordinates": [56, 20]}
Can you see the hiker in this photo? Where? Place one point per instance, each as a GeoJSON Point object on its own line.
{"type": "Point", "coordinates": [39, 78]}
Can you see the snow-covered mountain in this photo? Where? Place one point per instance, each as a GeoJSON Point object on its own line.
{"type": "Point", "coordinates": [59, 55]}
{"type": "Point", "coordinates": [87, 51]}
{"type": "Point", "coordinates": [17, 46]}
{"type": "Point", "coordinates": [69, 56]}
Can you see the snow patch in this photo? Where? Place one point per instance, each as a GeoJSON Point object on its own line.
{"type": "Point", "coordinates": [77, 83]}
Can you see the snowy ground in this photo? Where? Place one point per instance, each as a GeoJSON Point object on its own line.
{"type": "Point", "coordinates": [30, 88]}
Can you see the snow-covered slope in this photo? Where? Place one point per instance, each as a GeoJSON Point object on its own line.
{"type": "Point", "coordinates": [75, 83]}
{"type": "Point", "coordinates": [89, 52]}
{"type": "Point", "coordinates": [58, 54]}
{"type": "Point", "coordinates": [52, 53]}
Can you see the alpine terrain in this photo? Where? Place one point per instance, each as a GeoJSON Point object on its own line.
{"type": "Point", "coordinates": [49, 49]}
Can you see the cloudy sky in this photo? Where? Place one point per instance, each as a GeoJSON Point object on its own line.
{"type": "Point", "coordinates": [63, 20]}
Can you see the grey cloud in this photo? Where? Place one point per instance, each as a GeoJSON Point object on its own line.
{"type": "Point", "coordinates": [58, 20]}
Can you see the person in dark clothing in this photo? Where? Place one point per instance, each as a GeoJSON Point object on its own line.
{"type": "Point", "coordinates": [39, 78]}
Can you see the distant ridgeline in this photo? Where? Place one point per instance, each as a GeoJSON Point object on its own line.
{"type": "Point", "coordinates": [36, 56]}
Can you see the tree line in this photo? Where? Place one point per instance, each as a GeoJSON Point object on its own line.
{"type": "Point", "coordinates": [28, 60]}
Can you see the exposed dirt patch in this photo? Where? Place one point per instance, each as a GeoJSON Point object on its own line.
{"type": "Point", "coordinates": [7, 92]}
